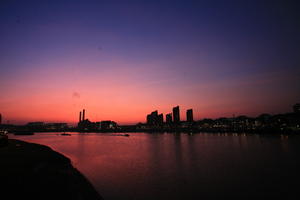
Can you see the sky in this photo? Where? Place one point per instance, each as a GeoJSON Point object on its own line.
{"type": "Point", "coordinates": [120, 60]}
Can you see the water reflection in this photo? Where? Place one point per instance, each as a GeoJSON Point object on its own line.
{"type": "Point", "coordinates": [181, 166]}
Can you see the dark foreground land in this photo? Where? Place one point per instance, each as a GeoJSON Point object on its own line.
{"type": "Point", "coordinates": [33, 171]}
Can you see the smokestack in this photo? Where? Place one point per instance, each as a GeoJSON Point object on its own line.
{"type": "Point", "coordinates": [80, 116]}
{"type": "Point", "coordinates": [0, 118]}
{"type": "Point", "coordinates": [83, 114]}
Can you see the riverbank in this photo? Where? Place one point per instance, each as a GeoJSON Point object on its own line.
{"type": "Point", "coordinates": [33, 171]}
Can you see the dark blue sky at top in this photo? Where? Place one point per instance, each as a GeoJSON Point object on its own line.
{"type": "Point", "coordinates": [271, 25]}
{"type": "Point", "coordinates": [197, 40]}
{"type": "Point", "coordinates": [268, 30]}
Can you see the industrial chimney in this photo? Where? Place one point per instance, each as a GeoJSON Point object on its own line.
{"type": "Point", "coordinates": [83, 114]}
{"type": "Point", "coordinates": [80, 116]}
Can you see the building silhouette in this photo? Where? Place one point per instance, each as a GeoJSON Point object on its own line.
{"type": "Point", "coordinates": [35, 124]}
{"type": "Point", "coordinates": [176, 115]}
{"type": "Point", "coordinates": [155, 119]}
{"type": "Point", "coordinates": [152, 119]}
{"type": "Point", "coordinates": [56, 126]}
{"type": "Point", "coordinates": [0, 118]}
{"type": "Point", "coordinates": [296, 108]}
{"type": "Point", "coordinates": [84, 123]}
{"type": "Point", "coordinates": [169, 118]}
{"type": "Point", "coordinates": [107, 125]}
{"type": "Point", "coordinates": [189, 115]}
{"type": "Point", "coordinates": [161, 119]}
{"type": "Point", "coordinates": [149, 119]}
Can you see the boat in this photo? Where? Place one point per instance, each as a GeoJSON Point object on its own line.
{"type": "Point", "coordinates": [126, 135]}
{"type": "Point", "coordinates": [65, 134]}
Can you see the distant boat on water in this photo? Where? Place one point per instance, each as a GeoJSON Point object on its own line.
{"type": "Point", "coordinates": [126, 135]}
{"type": "Point", "coordinates": [65, 134]}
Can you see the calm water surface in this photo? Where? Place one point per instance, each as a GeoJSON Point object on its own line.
{"type": "Point", "coordinates": [182, 166]}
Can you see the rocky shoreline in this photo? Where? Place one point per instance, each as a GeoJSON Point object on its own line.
{"type": "Point", "coordinates": [33, 171]}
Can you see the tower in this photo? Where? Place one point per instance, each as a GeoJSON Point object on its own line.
{"type": "Point", "coordinates": [149, 119]}
{"type": "Point", "coordinates": [189, 115]}
{"type": "Point", "coordinates": [169, 118]}
{"type": "Point", "coordinates": [160, 119]}
{"type": "Point", "coordinates": [176, 115]}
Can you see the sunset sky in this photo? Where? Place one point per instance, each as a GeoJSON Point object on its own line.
{"type": "Point", "coordinates": [120, 60]}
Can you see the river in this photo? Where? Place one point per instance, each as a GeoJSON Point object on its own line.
{"type": "Point", "coordinates": [182, 166]}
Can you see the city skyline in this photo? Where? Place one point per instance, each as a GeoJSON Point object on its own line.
{"type": "Point", "coordinates": [122, 60]}
{"type": "Point", "coordinates": [158, 118]}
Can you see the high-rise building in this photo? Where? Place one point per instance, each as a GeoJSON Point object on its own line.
{"type": "Point", "coordinates": [189, 115]}
{"type": "Point", "coordinates": [160, 118]}
{"type": "Point", "coordinates": [154, 114]}
{"type": "Point", "coordinates": [149, 119]}
{"type": "Point", "coordinates": [176, 115]}
{"type": "Point", "coordinates": [169, 118]}
{"type": "Point", "coordinates": [152, 119]}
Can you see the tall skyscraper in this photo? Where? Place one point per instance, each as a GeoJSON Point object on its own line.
{"type": "Point", "coordinates": [169, 118]}
{"type": "Point", "coordinates": [176, 115]}
{"type": "Point", "coordinates": [154, 114]}
{"type": "Point", "coordinates": [149, 119]}
{"type": "Point", "coordinates": [160, 119]}
{"type": "Point", "coordinates": [152, 119]}
{"type": "Point", "coordinates": [189, 115]}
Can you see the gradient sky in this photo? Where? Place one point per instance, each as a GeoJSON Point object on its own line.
{"type": "Point", "coordinates": [120, 60]}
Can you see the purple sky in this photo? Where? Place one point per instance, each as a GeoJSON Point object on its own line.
{"type": "Point", "coordinates": [123, 59]}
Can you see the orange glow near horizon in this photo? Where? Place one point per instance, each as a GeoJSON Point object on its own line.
{"type": "Point", "coordinates": [119, 94]}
